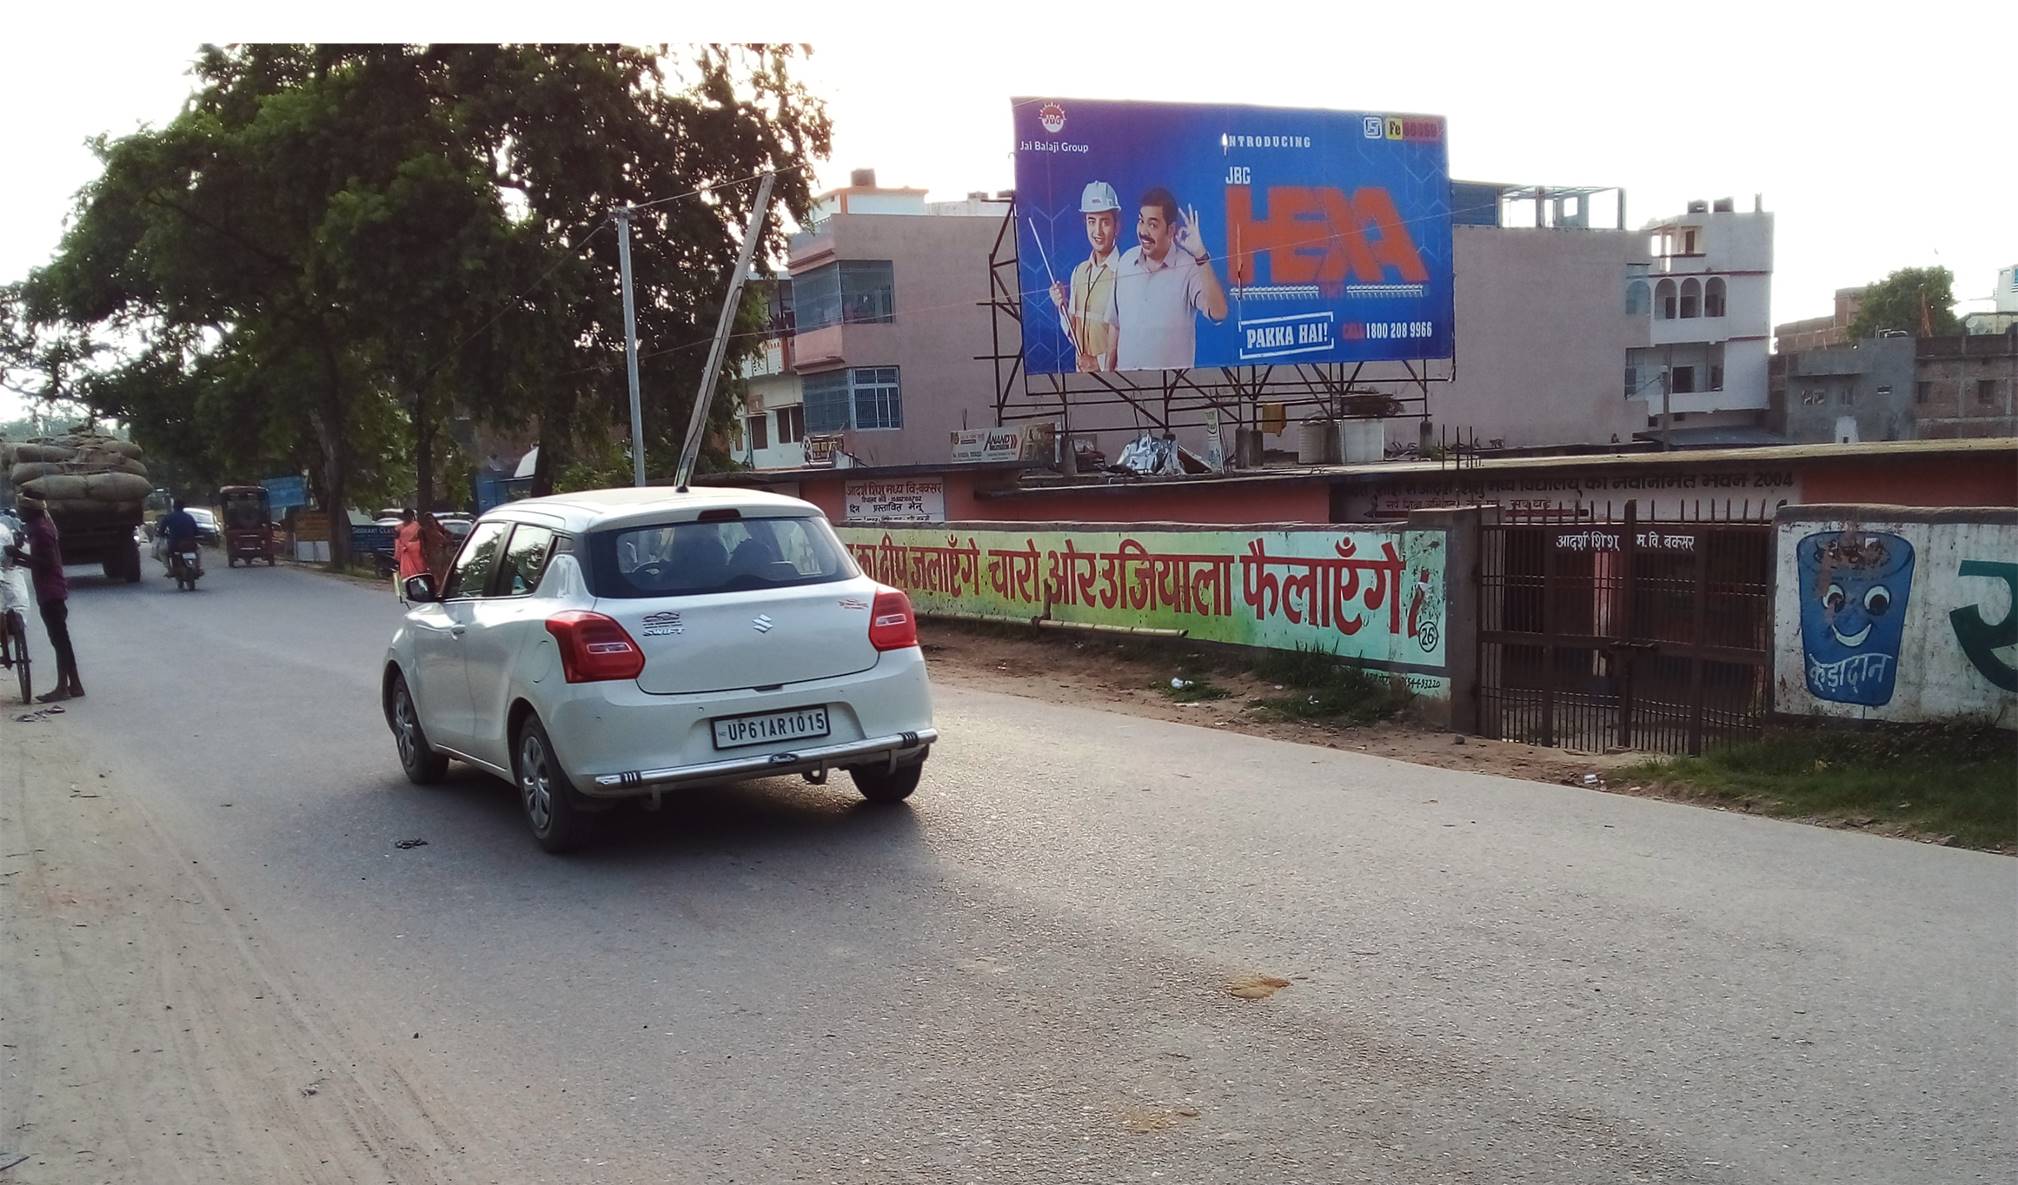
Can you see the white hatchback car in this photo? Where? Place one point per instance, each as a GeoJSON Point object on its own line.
{"type": "Point", "coordinates": [614, 644]}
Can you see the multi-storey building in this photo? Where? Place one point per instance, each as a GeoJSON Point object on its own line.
{"type": "Point", "coordinates": [877, 329]}
{"type": "Point", "coordinates": [1554, 309]}
{"type": "Point", "coordinates": [1705, 295]}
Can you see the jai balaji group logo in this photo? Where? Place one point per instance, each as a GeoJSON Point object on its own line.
{"type": "Point", "coordinates": [1052, 116]}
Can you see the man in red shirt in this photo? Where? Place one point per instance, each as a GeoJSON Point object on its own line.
{"type": "Point", "coordinates": [45, 563]}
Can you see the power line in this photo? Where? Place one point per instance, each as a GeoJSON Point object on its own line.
{"type": "Point", "coordinates": [717, 186]}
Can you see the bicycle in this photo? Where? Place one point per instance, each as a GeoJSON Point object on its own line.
{"type": "Point", "coordinates": [17, 641]}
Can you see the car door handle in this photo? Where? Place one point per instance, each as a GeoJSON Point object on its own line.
{"type": "Point", "coordinates": [458, 630]}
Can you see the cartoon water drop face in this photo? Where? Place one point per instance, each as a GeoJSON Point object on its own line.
{"type": "Point", "coordinates": [1854, 588]}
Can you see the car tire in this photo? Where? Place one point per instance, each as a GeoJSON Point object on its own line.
{"type": "Point", "coordinates": [422, 764]}
{"type": "Point", "coordinates": [549, 800]}
{"type": "Point", "coordinates": [882, 785]}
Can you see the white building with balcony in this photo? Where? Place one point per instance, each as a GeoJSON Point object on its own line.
{"type": "Point", "coordinates": [1705, 296]}
{"type": "Point", "coordinates": [772, 429]}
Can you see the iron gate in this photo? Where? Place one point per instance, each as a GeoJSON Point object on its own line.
{"type": "Point", "coordinates": [1626, 634]}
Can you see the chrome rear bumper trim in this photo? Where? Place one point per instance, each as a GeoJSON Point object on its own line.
{"type": "Point", "coordinates": [771, 763]}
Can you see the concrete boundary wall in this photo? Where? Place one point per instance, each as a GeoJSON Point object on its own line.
{"type": "Point", "coordinates": [1896, 613]}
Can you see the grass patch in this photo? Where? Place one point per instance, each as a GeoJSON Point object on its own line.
{"type": "Point", "coordinates": [1947, 781]}
{"type": "Point", "coordinates": [1305, 666]}
{"type": "Point", "coordinates": [1319, 685]}
{"type": "Point", "coordinates": [1193, 691]}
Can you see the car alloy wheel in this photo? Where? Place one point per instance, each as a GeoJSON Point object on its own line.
{"type": "Point", "coordinates": [536, 782]}
{"type": "Point", "coordinates": [405, 727]}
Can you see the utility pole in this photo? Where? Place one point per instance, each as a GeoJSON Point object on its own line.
{"type": "Point", "coordinates": [704, 397]}
{"type": "Point", "coordinates": [623, 217]}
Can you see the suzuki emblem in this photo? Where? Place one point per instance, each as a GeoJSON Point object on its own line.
{"type": "Point", "coordinates": [763, 623]}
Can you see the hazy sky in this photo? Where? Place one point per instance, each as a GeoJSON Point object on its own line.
{"type": "Point", "coordinates": [1878, 143]}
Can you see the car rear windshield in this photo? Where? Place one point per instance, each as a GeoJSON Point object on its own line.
{"type": "Point", "coordinates": [734, 555]}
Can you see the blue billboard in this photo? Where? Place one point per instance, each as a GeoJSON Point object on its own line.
{"type": "Point", "coordinates": [1158, 236]}
{"type": "Point", "coordinates": [285, 492]}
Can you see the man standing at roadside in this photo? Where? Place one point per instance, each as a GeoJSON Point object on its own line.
{"type": "Point", "coordinates": [1166, 280]}
{"type": "Point", "coordinates": [52, 593]}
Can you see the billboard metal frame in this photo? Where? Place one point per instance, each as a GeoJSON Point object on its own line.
{"type": "Point", "coordinates": [1170, 399]}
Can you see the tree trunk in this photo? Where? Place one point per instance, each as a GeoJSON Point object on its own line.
{"type": "Point", "coordinates": [424, 436]}
{"type": "Point", "coordinates": [328, 421]}
{"type": "Point", "coordinates": [554, 427]}
{"type": "Point", "coordinates": [336, 501]}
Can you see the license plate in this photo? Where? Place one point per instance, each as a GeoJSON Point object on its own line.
{"type": "Point", "coordinates": [733, 732]}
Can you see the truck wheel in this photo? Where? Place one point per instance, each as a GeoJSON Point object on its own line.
{"type": "Point", "coordinates": [132, 563]}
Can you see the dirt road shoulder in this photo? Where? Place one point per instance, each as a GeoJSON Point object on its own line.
{"type": "Point", "coordinates": [149, 1031]}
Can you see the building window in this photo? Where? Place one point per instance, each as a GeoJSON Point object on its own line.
{"type": "Point", "coordinates": [791, 424]}
{"type": "Point", "coordinates": [1692, 298]}
{"type": "Point", "coordinates": [1632, 381]}
{"type": "Point", "coordinates": [866, 398]}
{"type": "Point", "coordinates": [1922, 391]}
{"type": "Point", "coordinates": [851, 292]}
{"type": "Point", "coordinates": [779, 310]}
{"type": "Point", "coordinates": [826, 398]}
{"type": "Point", "coordinates": [759, 436]}
{"type": "Point", "coordinates": [1689, 242]}
{"type": "Point", "coordinates": [1664, 295]}
{"type": "Point", "coordinates": [1986, 390]}
{"type": "Point", "coordinates": [1713, 297]}
{"type": "Point", "coordinates": [1685, 380]}
{"type": "Point", "coordinates": [1716, 378]}
{"type": "Point", "coordinates": [1847, 397]}
{"type": "Point", "coordinates": [1636, 299]}
{"type": "Point", "coordinates": [878, 403]}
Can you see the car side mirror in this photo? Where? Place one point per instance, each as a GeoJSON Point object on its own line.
{"type": "Point", "coordinates": [419, 589]}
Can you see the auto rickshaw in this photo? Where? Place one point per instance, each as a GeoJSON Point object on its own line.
{"type": "Point", "coordinates": [248, 525]}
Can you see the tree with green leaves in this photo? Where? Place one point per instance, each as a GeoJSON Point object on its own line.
{"type": "Point", "coordinates": [1910, 300]}
{"type": "Point", "coordinates": [333, 250]}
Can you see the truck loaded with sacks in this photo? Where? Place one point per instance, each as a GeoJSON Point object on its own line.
{"type": "Point", "coordinates": [94, 486]}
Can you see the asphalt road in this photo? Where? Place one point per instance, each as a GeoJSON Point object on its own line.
{"type": "Point", "coordinates": [1023, 976]}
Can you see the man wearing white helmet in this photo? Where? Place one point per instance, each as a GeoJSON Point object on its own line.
{"type": "Point", "coordinates": [1086, 308]}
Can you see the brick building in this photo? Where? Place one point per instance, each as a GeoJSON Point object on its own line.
{"type": "Point", "coordinates": [1816, 332]}
{"type": "Point", "coordinates": [1966, 385]}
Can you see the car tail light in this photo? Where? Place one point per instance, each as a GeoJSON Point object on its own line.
{"type": "Point", "coordinates": [891, 624]}
{"type": "Point", "coordinates": [594, 648]}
